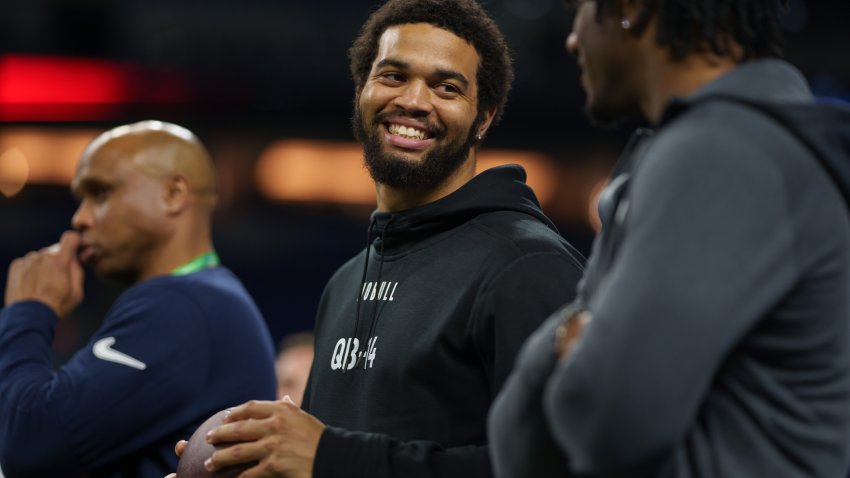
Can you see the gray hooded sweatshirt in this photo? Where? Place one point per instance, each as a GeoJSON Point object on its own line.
{"type": "Point", "coordinates": [720, 296]}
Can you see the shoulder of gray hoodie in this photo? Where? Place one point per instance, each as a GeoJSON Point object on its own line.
{"type": "Point", "coordinates": [732, 221]}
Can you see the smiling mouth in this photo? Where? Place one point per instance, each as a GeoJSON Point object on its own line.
{"type": "Point", "coordinates": [408, 132]}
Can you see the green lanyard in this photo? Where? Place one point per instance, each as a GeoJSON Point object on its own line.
{"type": "Point", "coordinates": [204, 261]}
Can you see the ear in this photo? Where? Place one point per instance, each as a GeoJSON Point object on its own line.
{"type": "Point", "coordinates": [485, 124]}
{"type": "Point", "coordinates": [634, 15]}
{"type": "Point", "coordinates": [177, 195]}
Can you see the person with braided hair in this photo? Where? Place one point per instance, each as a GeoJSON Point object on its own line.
{"type": "Point", "coordinates": [711, 333]}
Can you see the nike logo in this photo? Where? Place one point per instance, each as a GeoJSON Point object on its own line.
{"type": "Point", "coordinates": [103, 350]}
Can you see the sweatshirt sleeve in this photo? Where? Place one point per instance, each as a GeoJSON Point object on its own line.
{"type": "Point", "coordinates": [707, 250]}
{"type": "Point", "coordinates": [370, 455]}
{"type": "Point", "coordinates": [514, 305]}
{"type": "Point", "coordinates": [120, 393]}
{"type": "Point", "coordinates": [521, 445]}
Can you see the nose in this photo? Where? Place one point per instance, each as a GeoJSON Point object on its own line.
{"type": "Point", "coordinates": [82, 218]}
{"type": "Point", "coordinates": [415, 97]}
{"type": "Point", "coordinates": [572, 43]}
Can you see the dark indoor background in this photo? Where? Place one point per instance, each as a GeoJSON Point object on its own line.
{"type": "Point", "coordinates": [251, 72]}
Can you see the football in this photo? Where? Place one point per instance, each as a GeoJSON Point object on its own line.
{"type": "Point", "coordinates": [191, 464]}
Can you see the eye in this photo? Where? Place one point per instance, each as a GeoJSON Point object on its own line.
{"type": "Point", "coordinates": [392, 77]}
{"type": "Point", "coordinates": [447, 90]}
{"type": "Point", "coordinates": [100, 193]}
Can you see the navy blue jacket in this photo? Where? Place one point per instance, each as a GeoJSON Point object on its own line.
{"type": "Point", "coordinates": [172, 351]}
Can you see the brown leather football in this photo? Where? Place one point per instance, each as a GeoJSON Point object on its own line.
{"type": "Point", "coordinates": [191, 464]}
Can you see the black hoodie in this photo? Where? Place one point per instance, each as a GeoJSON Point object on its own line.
{"type": "Point", "coordinates": [720, 295]}
{"type": "Point", "coordinates": [415, 335]}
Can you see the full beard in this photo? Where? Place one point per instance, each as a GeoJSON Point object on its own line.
{"type": "Point", "coordinates": [398, 172]}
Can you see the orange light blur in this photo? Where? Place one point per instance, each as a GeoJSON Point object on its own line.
{"type": "Point", "coordinates": [314, 171]}
{"type": "Point", "coordinates": [14, 171]}
{"type": "Point", "coordinates": [48, 156]}
{"type": "Point", "coordinates": [593, 204]}
{"type": "Point", "coordinates": [542, 173]}
{"type": "Point", "coordinates": [302, 170]}
{"type": "Point", "coordinates": [289, 170]}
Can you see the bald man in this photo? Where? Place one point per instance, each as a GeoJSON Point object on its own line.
{"type": "Point", "coordinates": [183, 341]}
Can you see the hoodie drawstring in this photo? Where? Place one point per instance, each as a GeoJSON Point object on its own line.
{"type": "Point", "coordinates": [380, 271]}
{"type": "Point", "coordinates": [360, 291]}
{"type": "Point", "coordinates": [363, 281]}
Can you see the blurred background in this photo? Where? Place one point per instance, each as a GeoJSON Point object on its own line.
{"type": "Point", "coordinates": [265, 85]}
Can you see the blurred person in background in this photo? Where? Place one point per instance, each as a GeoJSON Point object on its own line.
{"type": "Point", "coordinates": [292, 365]}
{"type": "Point", "coordinates": [417, 333]}
{"type": "Point", "coordinates": [711, 334]}
{"type": "Point", "coordinates": [183, 341]}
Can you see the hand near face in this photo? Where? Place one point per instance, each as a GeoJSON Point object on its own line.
{"type": "Point", "coordinates": [279, 435]}
{"type": "Point", "coordinates": [52, 275]}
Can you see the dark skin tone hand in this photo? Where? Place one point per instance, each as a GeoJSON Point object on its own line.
{"type": "Point", "coordinates": [281, 437]}
{"type": "Point", "coordinates": [52, 275]}
{"type": "Point", "coordinates": [570, 333]}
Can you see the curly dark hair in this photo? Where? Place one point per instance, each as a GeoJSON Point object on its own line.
{"type": "Point", "coordinates": [686, 26]}
{"type": "Point", "coordinates": [466, 19]}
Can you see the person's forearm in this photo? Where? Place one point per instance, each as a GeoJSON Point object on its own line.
{"type": "Point", "coordinates": [360, 454]}
{"type": "Point", "coordinates": [26, 379]}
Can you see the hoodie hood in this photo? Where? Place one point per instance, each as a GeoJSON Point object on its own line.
{"type": "Point", "coordinates": [780, 92]}
{"type": "Point", "coordinates": [502, 188]}
{"type": "Point", "coordinates": [825, 129]}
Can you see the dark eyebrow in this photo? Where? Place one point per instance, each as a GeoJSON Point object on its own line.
{"type": "Point", "coordinates": [402, 65]}
{"type": "Point", "coordinates": [86, 185]}
{"type": "Point", "coordinates": [440, 72]}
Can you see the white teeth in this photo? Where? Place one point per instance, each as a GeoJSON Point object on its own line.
{"type": "Point", "coordinates": [406, 131]}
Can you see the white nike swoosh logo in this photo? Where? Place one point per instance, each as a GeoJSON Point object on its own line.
{"type": "Point", "coordinates": [103, 350]}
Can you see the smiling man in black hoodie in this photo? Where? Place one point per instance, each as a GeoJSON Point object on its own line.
{"type": "Point", "coordinates": [717, 298]}
{"type": "Point", "coordinates": [416, 335]}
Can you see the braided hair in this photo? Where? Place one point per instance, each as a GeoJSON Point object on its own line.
{"type": "Point", "coordinates": [687, 26]}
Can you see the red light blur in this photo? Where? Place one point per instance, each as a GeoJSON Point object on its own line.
{"type": "Point", "coordinates": [51, 88]}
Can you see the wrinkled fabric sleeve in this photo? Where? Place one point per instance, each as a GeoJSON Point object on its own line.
{"type": "Point", "coordinates": [373, 455]}
{"type": "Point", "coordinates": [92, 411]}
{"type": "Point", "coordinates": [521, 444]}
{"type": "Point", "coordinates": [705, 253]}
